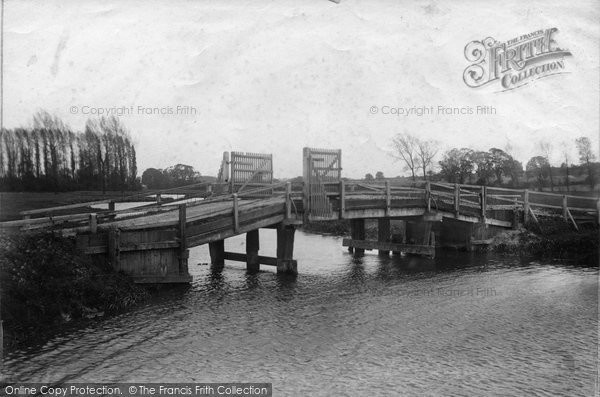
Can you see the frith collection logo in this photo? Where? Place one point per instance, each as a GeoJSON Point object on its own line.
{"type": "Point", "coordinates": [515, 62]}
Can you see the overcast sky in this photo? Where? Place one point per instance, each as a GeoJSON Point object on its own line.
{"type": "Point", "coordinates": [275, 76]}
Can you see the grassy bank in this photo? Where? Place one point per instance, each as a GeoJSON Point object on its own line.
{"type": "Point", "coordinates": [46, 284]}
{"type": "Point", "coordinates": [551, 237]}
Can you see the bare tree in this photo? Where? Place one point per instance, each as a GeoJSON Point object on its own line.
{"type": "Point", "coordinates": [426, 151]}
{"type": "Point", "coordinates": [405, 146]}
{"type": "Point", "coordinates": [546, 150]}
{"type": "Point", "coordinates": [566, 155]}
{"type": "Point", "coordinates": [586, 156]}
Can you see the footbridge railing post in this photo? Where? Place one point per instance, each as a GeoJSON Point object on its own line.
{"type": "Point", "coordinates": [428, 195]}
{"type": "Point", "coordinates": [183, 251]}
{"type": "Point", "coordinates": [483, 203]}
{"type": "Point", "coordinates": [388, 198]}
{"type": "Point", "coordinates": [288, 200]}
{"type": "Point", "coordinates": [342, 199]}
{"type": "Point", "coordinates": [456, 199]}
{"type": "Point", "coordinates": [526, 206]}
{"type": "Point", "coordinates": [236, 218]}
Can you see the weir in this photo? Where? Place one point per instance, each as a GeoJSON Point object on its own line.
{"type": "Point", "coordinates": [151, 243]}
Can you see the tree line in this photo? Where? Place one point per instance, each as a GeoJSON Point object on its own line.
{"type": "Point", "coordinates": [174, 176]}
{"type": "Point", "coordinates": [494, 166]}
{"type": "Point", "coordinates": [50, 156]}
{"type": "Point", "coordinates": [481, 167]}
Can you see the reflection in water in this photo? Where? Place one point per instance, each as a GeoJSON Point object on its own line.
{"type": "Point", "coordinates": [460, 324]}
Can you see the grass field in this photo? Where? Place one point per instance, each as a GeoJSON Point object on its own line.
{"type": "Point", "coordinates": [11, 203]}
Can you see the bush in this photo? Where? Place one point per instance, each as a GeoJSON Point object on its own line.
{"type": "Point", "coordinates": [551, 237]}
{"type": "Point", "coordinates": [46, 282]}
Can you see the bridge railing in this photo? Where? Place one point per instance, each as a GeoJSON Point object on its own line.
{"type": "Point", "coordinates": [469, 200]}
{"type": "Point", "coordinates": [491, 199]}
{"type": "Point", "coordinates": [460, 199]}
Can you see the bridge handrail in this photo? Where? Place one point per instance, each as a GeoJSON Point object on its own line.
{"type": "Point", "coordinates": [451, 185]}
{"type": "Point", "coordinates": [106, 201]}
{"type": "Point", "coordinates": [64, 207]}
{"type": "Point", "coordinates": [270, 187]}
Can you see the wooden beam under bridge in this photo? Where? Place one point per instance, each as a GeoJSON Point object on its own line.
{"type": "Point", "coordinates": [426, 250]}
{"type": "Point", "coordinates": [263, 260]}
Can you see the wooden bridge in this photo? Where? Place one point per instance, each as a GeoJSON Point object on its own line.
{"type": "Point", "coordinates": [151, 242]}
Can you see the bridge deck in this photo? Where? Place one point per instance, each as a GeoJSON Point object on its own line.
{"type": "Point", "coordinates": [194, 214]}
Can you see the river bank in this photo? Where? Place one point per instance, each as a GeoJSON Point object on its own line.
{"type": "Point", "coordinates": [548, 238]}
{"type": "Point", "coordinates": [47, 285]}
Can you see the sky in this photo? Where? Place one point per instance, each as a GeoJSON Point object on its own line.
{"type": "Point", "coordinates": [276, 76]}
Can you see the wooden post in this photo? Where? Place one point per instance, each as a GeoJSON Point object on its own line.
{"type": "Point", "coordinates": [428, 195]}
{"type": "Point", "coordinates": [183, 251]}
{"type": "Point", "coordinates": [456, 199]}
{"type": "Point", "coordinates": [515, 219]}
{"type": "Point", "coordinates": [111, 206]}
{"type": "Point", "coordinates": [427, 232]}
{"type": "Point", "coordinates": [526, 206]}
{"type": "Point", "coordinates": [288, 200]}
{"type": "Point", "coordinates": [402, 226]}
{"type": "Point", "coordinates": [342, 199]}
{"type": "Point", "coordinates": [236, 215]}
{"type": "Point", "coordinates": [228, 177]}
{"type": "Point", "coordinates": [483, 204]}
{"type": "Point", "coordinates": [217, 254]}
{"type": "Point", "coordinates": [252, 247]}
{"type": "Point", "coordinates": [306, 178]}
{"type": "Point", "coordinates": [358, 233]}
{"type": "Point", "coordinates": [113, 248]}
{"type": "Point", "coordinates": [572, 220]}
{"type": "Point", "coordinates": [209, 189]}
{"type": "Point", "coordinates": [565, 208]}
{"type": "Point", "coordinates": [383, 233]}
{"type": "Point", "coordinates": [93, 223]}
{"type": "Point", "coordinates": [158, 198]}
{"type": "Point", "coordinates": [388, 198]}
{"type": "Point", "coordinates": [285, 249]}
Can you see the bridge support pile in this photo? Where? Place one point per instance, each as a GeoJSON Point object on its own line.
{"type": "Point", "coordinates": [384, 234]}
{"type": "Point", "coordinates": [419, 239]}
{"type": "Point", "coordinates": [284, 261]}
{"type": "Point", "coordinates": [285, 249]}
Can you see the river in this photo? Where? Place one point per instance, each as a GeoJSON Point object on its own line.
{"type": "Point", "coordinates": [462, 324]}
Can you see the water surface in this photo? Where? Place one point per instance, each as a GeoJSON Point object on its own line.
{"type": "Point", "coordinates": [462, 324]}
